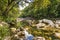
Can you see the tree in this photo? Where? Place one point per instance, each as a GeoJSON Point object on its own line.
{"type": "Point", "coordinates": [9, 12]}
{"type": "Point", "coordinates": [42, 9]}
{"type": "Point", "coordinates": [8, 8]}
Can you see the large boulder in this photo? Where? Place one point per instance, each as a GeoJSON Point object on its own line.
{"type": "Point", "coordinates": [46, 21]}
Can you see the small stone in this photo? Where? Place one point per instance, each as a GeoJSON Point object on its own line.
{"type": "Point", "coordinates": [13, 30]}
{"type": "Point", "coordinates": [39, 25]}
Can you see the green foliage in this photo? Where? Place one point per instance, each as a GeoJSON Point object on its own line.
{"type": "Point", "coordinates": [21, 24]}
{"type": "Point", "coordinates": [42, 9]}
{"type": "Point", "coordinates": [4, 31]}
{"type": "Point", "coordinates": [8, 13]}
{"type": "Point", "coordinates": [38, 9]}
{"type": "Point", "coordinates": [8, 10]}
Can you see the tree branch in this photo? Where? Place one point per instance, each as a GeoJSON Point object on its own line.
{"type": "Point", "coordinates": [9, 7]}
{"type": "Point", "coordinates": [9, 2]}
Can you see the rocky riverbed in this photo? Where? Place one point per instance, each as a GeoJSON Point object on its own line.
{"type": "Point", "coordinates": [43, 29]}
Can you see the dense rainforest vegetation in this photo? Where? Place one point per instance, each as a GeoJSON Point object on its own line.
{"type": "Point", "coordinates": [37, 9]}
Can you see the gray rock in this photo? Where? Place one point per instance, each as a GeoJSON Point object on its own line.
{"type": "Point", "coordinates": [24, 19]}
{"type": "Point", "coordinates": [40, 25]}
{"type": "Point", "coordinates": [29, 20]}
{"type": "Point", "coordinates": [49, 22]}
{"type": "Point", "coordinates": [57, 23]}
